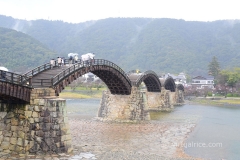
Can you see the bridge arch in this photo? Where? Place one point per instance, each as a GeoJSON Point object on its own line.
{"type": "Point", "coordinates": [113, 76]}
{"type": "Point", "coordinates": [180, 87]}
{"type": "Point", "coordinates": [151, 81]}
{"type": "Point", "coordinates": [169, 84]}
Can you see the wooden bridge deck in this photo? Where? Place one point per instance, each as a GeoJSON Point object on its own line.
{"type": "Point", "coordinates": [43, 79]}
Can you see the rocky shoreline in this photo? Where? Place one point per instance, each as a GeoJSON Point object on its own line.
{"type": "Point", "coordinates": [94, 139]}
{"type": "Point", "coordinates": [144, 140]}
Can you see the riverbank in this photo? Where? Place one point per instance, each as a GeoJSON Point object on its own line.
{"type": "Point", "coordinates": [110, 140]}
{"type": "Point", "coordinates": [161, 138]}
{"type": "Point", "coordinates": [214, 101]}
{"type": "Point", "coordinates": [81, 93]}
{"type": "Point", "coordinates": [144, 140]}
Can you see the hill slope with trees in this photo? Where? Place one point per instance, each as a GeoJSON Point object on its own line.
{"type": "Point", "coordinates": [162, 45]}
{"type": "Point", "coordinates": [20, 52]}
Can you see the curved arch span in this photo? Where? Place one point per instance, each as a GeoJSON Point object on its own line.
{"type": "Point", "coordinates": [113, 76]}
{"type": "Point", "coordinates": [180, 87]}
{"type": "Point", "coordinates": [169, 84]}
{"type": "Point", "coordinates": [151, 81]}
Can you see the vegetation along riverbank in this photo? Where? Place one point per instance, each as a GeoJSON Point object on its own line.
{"type": "Point", "coordinates": [219, 101]}
{"type": "Point", "coordinates": [82, 92]}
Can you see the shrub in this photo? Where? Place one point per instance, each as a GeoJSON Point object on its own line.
{"type": "Point", "coordinates": [229, 95]}
{"type": "Point", "coordinates": [235, 95]}
{"type": "Point", "coordinates": [209, 94]}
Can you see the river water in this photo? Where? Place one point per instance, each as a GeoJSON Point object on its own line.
{"type": "Point", "coordinates": [216, 135]}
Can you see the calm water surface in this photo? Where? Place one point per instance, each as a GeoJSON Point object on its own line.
{"type": "Point", "coordinates": [216, 136]}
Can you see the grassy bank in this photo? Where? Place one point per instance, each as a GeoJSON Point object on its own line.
{"type": "Point", "coordinates": [220, 102]}
{"type": "Point", "coordinates": [82, 92]}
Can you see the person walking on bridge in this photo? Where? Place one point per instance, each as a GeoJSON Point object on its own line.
{"type": "Point", "coordinates": [59, 62]}
{"type": "Point", "coordinates": [52, 63]}
{"type": "Point", "coordinates": [63, 62]}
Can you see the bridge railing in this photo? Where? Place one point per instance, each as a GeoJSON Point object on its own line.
{"type": "Point", "coordinates": [46, 66]}
{"type": "Point", "coordinates": [81, 64]}
{"type": "Point", "coordinates": [15, 78]}
{"type": "Point", "coordinates": [40, 69]}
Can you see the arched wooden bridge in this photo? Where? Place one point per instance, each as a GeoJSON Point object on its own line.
{"type": "Point", "coordinates": [16, 87]}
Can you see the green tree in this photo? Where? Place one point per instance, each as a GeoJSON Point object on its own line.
{"type": "Point", "coordinates": [213, 67]}
{"type": "Point", "coordinates": [229, 77]}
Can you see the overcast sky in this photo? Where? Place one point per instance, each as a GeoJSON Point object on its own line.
{"type": "Point", "coordinates": [75, 11]}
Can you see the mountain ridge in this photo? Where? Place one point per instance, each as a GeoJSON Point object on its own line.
{"type": "Point", "coordinates": [162, 45]}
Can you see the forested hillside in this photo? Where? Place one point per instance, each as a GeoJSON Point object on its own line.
{"type": "Point", "coordinates": [162, 45]}
{"type": "Point", "coordinates": [20, 52]}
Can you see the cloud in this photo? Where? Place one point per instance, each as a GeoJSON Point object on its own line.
{"type": "Point", "coordinates": [84, 10]}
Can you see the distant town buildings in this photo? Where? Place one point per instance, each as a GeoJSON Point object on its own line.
{"type": "Point", "coordinates": [179, 79]}
{"type": "Point", "coordinates": [201, 82]}
{"type": "Point", "coordinates": [198, 82]}
{"type": "Point", "coordinates": [90, 77]}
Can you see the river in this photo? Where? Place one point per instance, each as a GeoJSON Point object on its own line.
{"type": "Point", "coordinates": [215, 136]}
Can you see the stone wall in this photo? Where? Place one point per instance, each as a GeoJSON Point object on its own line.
{"type": "Point", "coordinates": [160, 101]}
{"type": "Point", "coordinates": [38, 127]}
{"type": "Point", "coordinates": [124, 108]}
{"type": "Point", "coordinates": [39, 93]}
{"type": "Point", "coordinates": [179, 97]}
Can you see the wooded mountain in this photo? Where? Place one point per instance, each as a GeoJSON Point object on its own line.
{"type": "Point", "coordinates": [161, 45]}
{"type": "Point", "coordinates": [20, 52]}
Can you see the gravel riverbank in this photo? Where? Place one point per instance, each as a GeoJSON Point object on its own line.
{"type": "Point", "coordinates": [145, 140]}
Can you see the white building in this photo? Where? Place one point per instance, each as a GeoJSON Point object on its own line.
{"type": "Point", "coordinates": [179, 79]}
{"type": "Point", "coordinates": [90, 77]}
{"type": "Point", "coordinates": [201, 82]}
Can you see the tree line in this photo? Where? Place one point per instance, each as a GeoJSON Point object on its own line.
{"type": "Point", "coordinates": [225, 79]}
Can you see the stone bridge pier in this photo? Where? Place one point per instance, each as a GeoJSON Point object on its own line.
{"type": "Point", "coordinates": [163, 101]}
{"type": "Point", "coordinates": [38, 127]}
{"type": "Point", "coordinates": [124, 108]}
{"type": "Point", "coordinates": [136, 106]}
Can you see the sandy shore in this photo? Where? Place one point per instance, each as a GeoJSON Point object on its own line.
{"type": "Point", "coordinates": [149, 140]}
{"type": "Point", "coordinates": [145, 140]}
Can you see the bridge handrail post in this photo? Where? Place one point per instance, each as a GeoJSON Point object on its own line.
{"type": "Point", "coordinates": [11, 77]}
{"type": "Point", "coordinates": [30, 81]}
{"type": "Point", "coordinates": [52, 81]}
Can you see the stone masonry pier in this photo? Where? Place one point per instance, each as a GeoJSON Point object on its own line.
{"type": "Point", "coordinates": [124, 108]}
{"type": "Point", "coordinates": [136, 107]}
{"type": "Point", "coordinates": [40, 127]}
{"type": "Point", "coordinates": [162, 101]}
{"type": "Point", "coordinates": [165, 100]}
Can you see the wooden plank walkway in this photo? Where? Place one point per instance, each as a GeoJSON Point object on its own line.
{"type": "Point", "coordinates": [43, 79]}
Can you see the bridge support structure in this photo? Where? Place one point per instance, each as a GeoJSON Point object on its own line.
{"type": "Point", "coordinates": [162, 101]}
{"type": "Point", "coordinates": [179, 97]}
{"type": "Point", "coordinates": [136, 106]}
{"type": "Point", "coordinates": [35, 128]}
{"type": "Point", "coordinates": [124, 108]}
